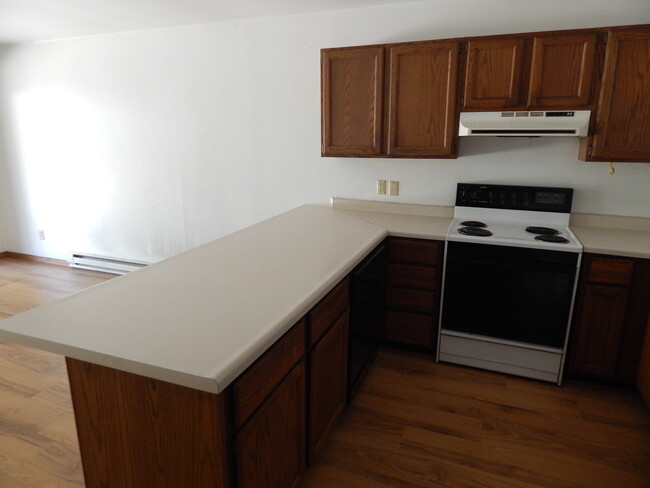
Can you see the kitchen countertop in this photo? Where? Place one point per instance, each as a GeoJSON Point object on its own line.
{"type": "Point", "coordinates": [616, 242]}
{"type": "Point", "coordinates": [200, 318]}
{"type": "Point", "coordinates": [599, 234]}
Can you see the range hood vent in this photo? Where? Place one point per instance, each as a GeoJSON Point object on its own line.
{"type": "Point", "coordinates": [525, 124]}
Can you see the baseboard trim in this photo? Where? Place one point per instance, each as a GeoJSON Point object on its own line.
{"type": "Point", "coordinates": [31, 257]}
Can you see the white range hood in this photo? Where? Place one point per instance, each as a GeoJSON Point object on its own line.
{"type": "Point", "coordinates": [525, 124]}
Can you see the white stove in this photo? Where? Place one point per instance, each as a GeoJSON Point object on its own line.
{"type": "Point", "coordinates": [508, 228]}
{"type": "Point", "coordinates": [509, 280]}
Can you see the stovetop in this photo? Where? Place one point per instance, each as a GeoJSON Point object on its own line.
{"type": "Point", "coordinates": [507, 211]}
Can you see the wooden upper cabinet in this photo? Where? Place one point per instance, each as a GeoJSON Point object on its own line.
{"type": "Point", "coordinates": [530, 72]}
{"type": "Point", "coordinates": [561, 71]}
{"type": "Point", "coordinates": [352, 101]}
{"type": "Point", "coordinates": [493, 73]}
{"type": "Point", "coordinates": [422, 99]}
{"type": "Point", "coordinates": [623, 121]}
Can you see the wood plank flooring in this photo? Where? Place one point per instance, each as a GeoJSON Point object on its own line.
{"type": "Point", "coordinates": [413, 424]}
{"type": "Point", "coordinates": [38, 438]}
{"type": "Point", "coordinates": [420, 424]}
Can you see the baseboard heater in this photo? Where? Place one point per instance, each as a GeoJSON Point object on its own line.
{"type": "Point", "coordinates": [105, 264]}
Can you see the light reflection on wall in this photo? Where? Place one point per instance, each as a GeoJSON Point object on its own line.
{"type": "Point", "coordinates": [65, 162]}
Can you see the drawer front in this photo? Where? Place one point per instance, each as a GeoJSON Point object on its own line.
{"type": "Point", "coordinates": [328, 310]}
{"type": "Point", "coordinates": [612, 271]}
{"type": "Point", "coordinates": [413, 251]}
{"type": "Point", "coordinates": [258, 381]}
{"type": "Point", "coordinates": [417, 301]}
{"type": "Point", "coordinates": [409, 328]}
{"type": "Point", "coordinates": [410, 276]}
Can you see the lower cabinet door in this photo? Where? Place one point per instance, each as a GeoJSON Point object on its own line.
{"type": "Point", "coordinates": [271, 445]}
{"type": "Point", "coordinates": [328, 377]}
{"type": "Point", "coordinates": [599, 326]}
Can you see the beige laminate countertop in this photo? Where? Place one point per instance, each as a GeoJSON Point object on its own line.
{"type": "Point", "coordinates": [200, 318]}
{"type": "Point", "coordinates": [404, 225]}
{"type": "Point", "coordinates": [616, 242]}
{"type": "Point", "coordinates": [599, 234]}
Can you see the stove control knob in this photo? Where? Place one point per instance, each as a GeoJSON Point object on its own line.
{"type": "Point", "coordinates": [502, 197]}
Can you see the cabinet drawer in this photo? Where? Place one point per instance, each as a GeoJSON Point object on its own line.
{"type": "Point", "coordinates": [610, 270]}
{"type": "Point", "coordinates": [327, 310]}
{"type": "Point", "coordinates": [410, 328]}
{"type": "Point", "coordinates": [410, 276]}
{"type": "Point", "coordinates": [417, 301]}
{"type": "Point", "coordinates": [258, 381]}
{"type": "Point", "coordinates": [413, 251]}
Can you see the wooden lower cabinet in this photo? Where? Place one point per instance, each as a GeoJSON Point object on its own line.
{"type": "Point", "coordinates": [599, 331]}
{"type": "Point", "coordinates": [137, 432]}
{"type": "Point", "coordinates": [413, 292]}
{"type": "Point", "coordinates": [643, 374]}
{"type": "Point", "coordinates": [611, 313]}
{"type": "Point", "coordinates": [270, 448]}
{"type": "Point", "coordinates": [327, 379]}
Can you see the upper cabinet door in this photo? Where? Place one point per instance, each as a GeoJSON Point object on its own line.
{"type": "Point", "coordinates": [561, 71]}
{"type": "Point", "coordinates": [493, 75]}
{"type": "Point", "coordinates": [352, 101]}
{"type": "Point", "coordinates": [422, 99]}
{"type": "Point", "coordinates": [623, 120]}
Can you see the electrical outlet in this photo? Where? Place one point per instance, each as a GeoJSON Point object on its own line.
{"type": "Point", "coordinates": [393, 188]}
{"type": "Point", "coordinates": [381, 187]}
{"type": "Point", "coordinates": [41, 234]}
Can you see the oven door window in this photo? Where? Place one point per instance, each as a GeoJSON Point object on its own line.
{"type": "Point", "coordinates": [516, 294]}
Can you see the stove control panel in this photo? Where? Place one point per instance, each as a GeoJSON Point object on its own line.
{"type": "Point", "coordinates": [536, 198]}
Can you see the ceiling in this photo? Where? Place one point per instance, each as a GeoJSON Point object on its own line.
{"type": "Point", "coordinates": [39, 20]}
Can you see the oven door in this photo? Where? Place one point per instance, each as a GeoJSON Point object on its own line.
{"type": "Point", "coordinates": [509, 293]}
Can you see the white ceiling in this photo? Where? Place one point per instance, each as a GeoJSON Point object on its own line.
{"type": "Point", "coordinates": [38, 20]}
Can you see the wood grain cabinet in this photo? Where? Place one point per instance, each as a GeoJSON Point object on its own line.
{"type": "Point", "coordinates": [270, 448]}
{"type": "Point", "coordinates": [269, 405]}
{"type": "Point", "coordinates": [410, 111]}
{"type": "Point", "coordinates": [327, 364]}
{"type": "Point", "coordinates": [622, 130]}
{"type": "Point", "coordinates": [546, 71]}
{"type": "Point", "coordinates": [643, 374]}
{"type": "Point", "coordinates": [611, 312]}
{"type": "Point", "coordinates": [422, 99]}
{"type": "Point", "coordinates": [413, 293]}
{"type": "Point", "coordinates": [352, 98]}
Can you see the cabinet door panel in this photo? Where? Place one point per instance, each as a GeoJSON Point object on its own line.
{"type": "Point", "coordinates": [271, 446]}
{"type": "Point", "coordinates": [561, 71]}
{"type": "Point", "coordinates": [405, 275]}
{"type": "Point", "coordinates": [493, 75]}
{"type": "Point", "coordinates": [410, 328]}
{"type": "Point", "coordinates": [643, 376]}
{"type": "Point", "coordinates": [622, 128]}
{"type": "Point", "coordinates": [411, 300]}
{"type": "Point", "coordinates": [253, 386]}
{"type": "Point", "coordinates": [352, 101]}
{"type": "Point", "coordinates": [328, 382]}
{"type": "Point", "coordinates": [422, 107]}
{"type": "Point", "coordinates": [599, 328]}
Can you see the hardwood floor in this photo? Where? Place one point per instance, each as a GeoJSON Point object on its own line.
{"type": "Point", "coordinates": [413, 424]}
{"type": "Point", "coordinates": [38, 438]}
{"type": "Point", "coordinates": [420, 424]}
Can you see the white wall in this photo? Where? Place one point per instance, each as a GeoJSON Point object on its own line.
{"type": "Point", "coordinates": [145, 144]}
